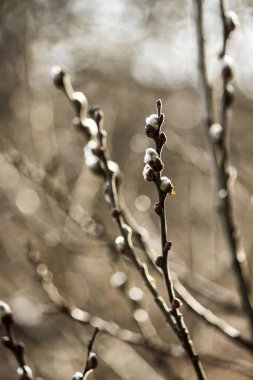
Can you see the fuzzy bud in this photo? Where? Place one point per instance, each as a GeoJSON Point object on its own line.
{"type": "Point", "coordinates": [58, 76]}
{"type": "Point", "coordinates": [92, 162]}
{"type": "Point", "coordinates": [92, 361]}
{"type": "Point", "coordinates": [90, 126]}
{"type": "Point", "coordinates": [166, 186]}
{"type": "Point", "coordinates": [120, 244]}
{"type": "Point", "coordinates": [231, 22]}
{"type": "Point", "coordinates": [152, 120]}
{"type": "Point", "coordinates": [5, 312]}
{"type": "Point", "coordinates": [77, 376]}
{"type": "Point", "coordinates": [229, 96]}
{"type": "Point", "coordinates": [151, 126]}
{"type": "Point", "coordinates": [24, 373]}
{"type": "Point", "coordinates": [152, 159]}
{"type": "Point", "coordinates": [113, 167]}
{"type": "Point", "coordinates": [226, 68]}
{"type": "Point", "coordinates": [95, 147]}
{"type": "Point", "coordinates": [80, 102]}
{"type": "Point", "coordinates": [148, 173]}
{"type": "Point", "coordinates": [216, 132]}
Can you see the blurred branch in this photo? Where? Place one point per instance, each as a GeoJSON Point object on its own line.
{"type": "Point", "coordinates": [17, 348]}
{"type": "Point", "coordinates": [98, 153]}
{"type": "Point", "coordinates": [217, 136]}
{"type": "Point", "coordinates": [199, 310]}
{"type": "Point", "coordinates": [83, 317]}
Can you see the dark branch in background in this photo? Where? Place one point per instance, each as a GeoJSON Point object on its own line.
{"type": "Point", "coordinates": [96, 153]}
{"type": "Point", "coordinates": [72, 311]}
{"type": "Point", "coordinates": [91, 359]}
{"type": "Point", "coordinates": [205, 315]}
{"type": "Point", "coordinates": [217, 136]}
{"type": "Point", "coordinates": [83, 317]}
{"type": "Point", "coordinates": [9, 341]}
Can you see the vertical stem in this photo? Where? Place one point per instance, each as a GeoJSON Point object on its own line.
{"type": "Point", "coordinates": [221, 167]}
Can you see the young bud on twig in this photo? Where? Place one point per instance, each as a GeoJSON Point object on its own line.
{"type": "Point", "coordinates": [58, 75]}
{"type": "Point", "coordinates": [159, 262]}
{"type": "Point", "coordinates": [176, 303]}
{"type": "Point", "coordinates": [92, 162]}
{"type": "Point", "coordinates": [167, 246]}
{"type": "Point", "coordinates": [77, 376]}
{"type": "Point", "coordinates": [113, 167]}
{"type": "Point", "coordinates": [226, 70]}
{"type": "Point", "coordinates": [95, 147]}
{"type": "Point", "coordinates": [115, 212]}
{"type": "Point", "coordinates": [231, 22]}
{"type": "Point", "coordinates": [229, 95]}
{"type": "Point", "coordinates": [166, 186]}
{"type": "Point", "coordinates": [162, 138]}
{"type": "Point", "coordinates": [6, 342]}
{"type": "Point", "coordinates": [148, 173]}
{"type": "Point", "coordinates": [91, 127]}
{"type": "Point", "coordinates": [152, 159]}
{"type": "Point", "coordinates": [25, 373]}
{"type": "Point", "coordinates": [159, 104]}
{"type": "Point", "coordinates": [158, 208]}
{"type": "Point", "coordinates": [120, 244]}
{"type": "Point", "coordinates": [216, 132]}
{"type": "Point", "coordinates": [151, 126]}
{"type": "Point", "coordinates": [79, 100]}
{"type": "Point", "coordinates": [92, 361]}
{"type": "Point", "coordinates": [5, 313]}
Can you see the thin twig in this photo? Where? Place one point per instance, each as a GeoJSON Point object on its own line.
{"type": "Point", "coordinates": [9, 341]}
{"type": "Point", "coordinates": [219, 149]}
{"type": "Point", "coordinates": [153, 168]}
{"type": "Point", "coordinates": [62, 81]}
{"type": "Point", "coordinates": [83, 317]}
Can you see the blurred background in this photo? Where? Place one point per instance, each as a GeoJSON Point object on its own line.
{"type": "Point", "coordinates": [123, 56]}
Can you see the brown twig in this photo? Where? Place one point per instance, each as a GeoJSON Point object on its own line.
{"type": "Point", "coordinates": [217, 136]}
{"type": "Point", "coordinates": [9, 341]}
{"type": "Point", "coordinates": [152, 172]}
{"type": "Point", "coordinates": [112, 329]}
{"type": "Point", "coordinates": [205, 315]}
{"type": "Point", "coordinates": [62, 81]}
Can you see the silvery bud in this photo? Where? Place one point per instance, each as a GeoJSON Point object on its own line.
{"type": "Point", "coordinates": [231, 22]}
{"type": "Point", "coordinates": [166, 186]}
{"type": "Point", "coordinates": [25, 373]}
{"type": "Point", "coordinates": [77, 376]}
{"type": "Point", "coordinates": [148, 173]}
{"type": "Point", "coordinates": [120, 244]}
{"type": "Point", "coordinates": [152, 159]}
{"type": "Point", "coordinates": [92, 360]}
{"type": "Point", "coordinates": [58, 76]}
{"type": "Point", "coordinates": [151, 126]}
{"type": "Point", "coordinates": [226, 69]}
{"type": "Point", "coordinates": [216, 131]}
{"type": "Point", "coordinates": [5, 312]}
